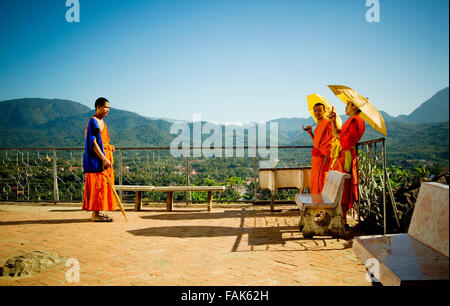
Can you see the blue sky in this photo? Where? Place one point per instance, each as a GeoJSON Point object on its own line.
{"type": "Point", "coordinates": [228, 60]}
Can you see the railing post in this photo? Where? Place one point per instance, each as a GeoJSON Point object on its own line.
{"type": "Point", "coordinates": [82, 177]}
{"type": "Point", "coordinates": [254, 177]}
{"type": "Point", "coordinates": [55, 178]}
{"type": "Point", "coordinates": [384, 186]}
{"type": "Point", "coordinates": [357, 189]}
{"type": "Point", "coordinates": [27, 181]}
{"type": "Point", "coordinates": [188, 193]}
{"type": "Point", "coordinates": [120, 173]}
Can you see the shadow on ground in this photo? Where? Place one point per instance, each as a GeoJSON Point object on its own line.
{"type": "Point", "coordinates": [258, 236]}
{"type": "Point", "coordinates": [62, 221]}
{"type": "Point", "coordinates": [184, 215]}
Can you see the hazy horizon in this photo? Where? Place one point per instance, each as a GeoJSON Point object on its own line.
{"type": "Point", "coordinates": [206, 120]}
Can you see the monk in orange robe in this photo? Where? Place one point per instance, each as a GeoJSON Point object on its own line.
{"type": "Point", "coordinates": [322, 138]}
{"type": "Point", "coordinates": [350, 133]}
{"type": "Point", "coordinates": [97, 163]}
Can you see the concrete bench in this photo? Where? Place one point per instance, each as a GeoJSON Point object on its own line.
{"type": "Point", "coordinates": [419, 256]}
{"type": "Point", "coordinates": [321, 214]}
{"type": "Point", "coordinates": [284, 178]}
{"type": "Point", "coordinates": [169, 190]}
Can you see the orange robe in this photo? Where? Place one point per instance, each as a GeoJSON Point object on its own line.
{"type": "Point", "coordinates": [351, 132]}
{"type": "Point", "coordinates": [320, 155]}
{"type": "Point", "coordinates": [98, 195]}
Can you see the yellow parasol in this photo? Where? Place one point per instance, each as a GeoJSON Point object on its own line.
{"type": "Point", "coordinates": [368, 112]}
{"type": "Point", "coordinates": [314, 99]}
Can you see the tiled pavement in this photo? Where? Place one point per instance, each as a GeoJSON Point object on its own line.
{"type": "Point", "coordinates": [232, 245]}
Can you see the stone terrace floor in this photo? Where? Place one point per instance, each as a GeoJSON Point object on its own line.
{"type": "Point", "coordinates": [230, 246]}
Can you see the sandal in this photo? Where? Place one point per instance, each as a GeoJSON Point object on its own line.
{"type": "Point", "coordinates": [102, 218]}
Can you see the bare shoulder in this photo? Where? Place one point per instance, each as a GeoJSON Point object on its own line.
{"type": "Point", "coordinates": [100, 123]}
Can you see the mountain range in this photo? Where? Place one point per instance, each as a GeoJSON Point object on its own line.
{"type": "Point", "coordinates": [36, 122]}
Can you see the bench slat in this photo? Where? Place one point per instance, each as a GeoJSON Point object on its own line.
{"type": "Point", "coordinates": [169, 188]}
{"type": "Point", "coordinates": [189, 188]}
{"type": "Point", "coordinates": [134, 187]}
{"type": "Point", "coordinates": [313, 201]}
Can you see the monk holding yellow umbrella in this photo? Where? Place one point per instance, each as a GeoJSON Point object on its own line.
{"type": "Point", "coordinates": [322, 137]}
{"type": "Point", "coordinates": [368, 112]}
{"type": "Point", "coordinates": [359, 109]}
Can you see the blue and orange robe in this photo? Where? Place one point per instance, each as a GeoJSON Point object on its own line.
{"type": "Point", "coordinates": [351, 132]}
{"type": "Point", "coordinates": [320, 155]}
{"type": "Point", "coordinates": [98, 195]}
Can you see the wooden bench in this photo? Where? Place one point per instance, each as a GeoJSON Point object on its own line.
{"type": "Point", "coordinates": [169, 190]}
{"type": "Point", "coordinates": [419, 256]}
{"type": "Point", "coordinates": [321, 214]}
{"type": "Point", "coordinates": [138, 193]}
{"type": "Point", "coordinates": [284, 178]}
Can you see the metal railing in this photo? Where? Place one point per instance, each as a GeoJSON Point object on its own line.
{"type": "Point", "coordinates": [55, 174]}
{"type": "Point", "coordinates": [374, 183]}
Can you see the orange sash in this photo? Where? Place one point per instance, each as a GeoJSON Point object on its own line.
{"type": "Point", "coordinates": [321, 155]}
{"type": "Point", "coordinates": [351, 132]}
